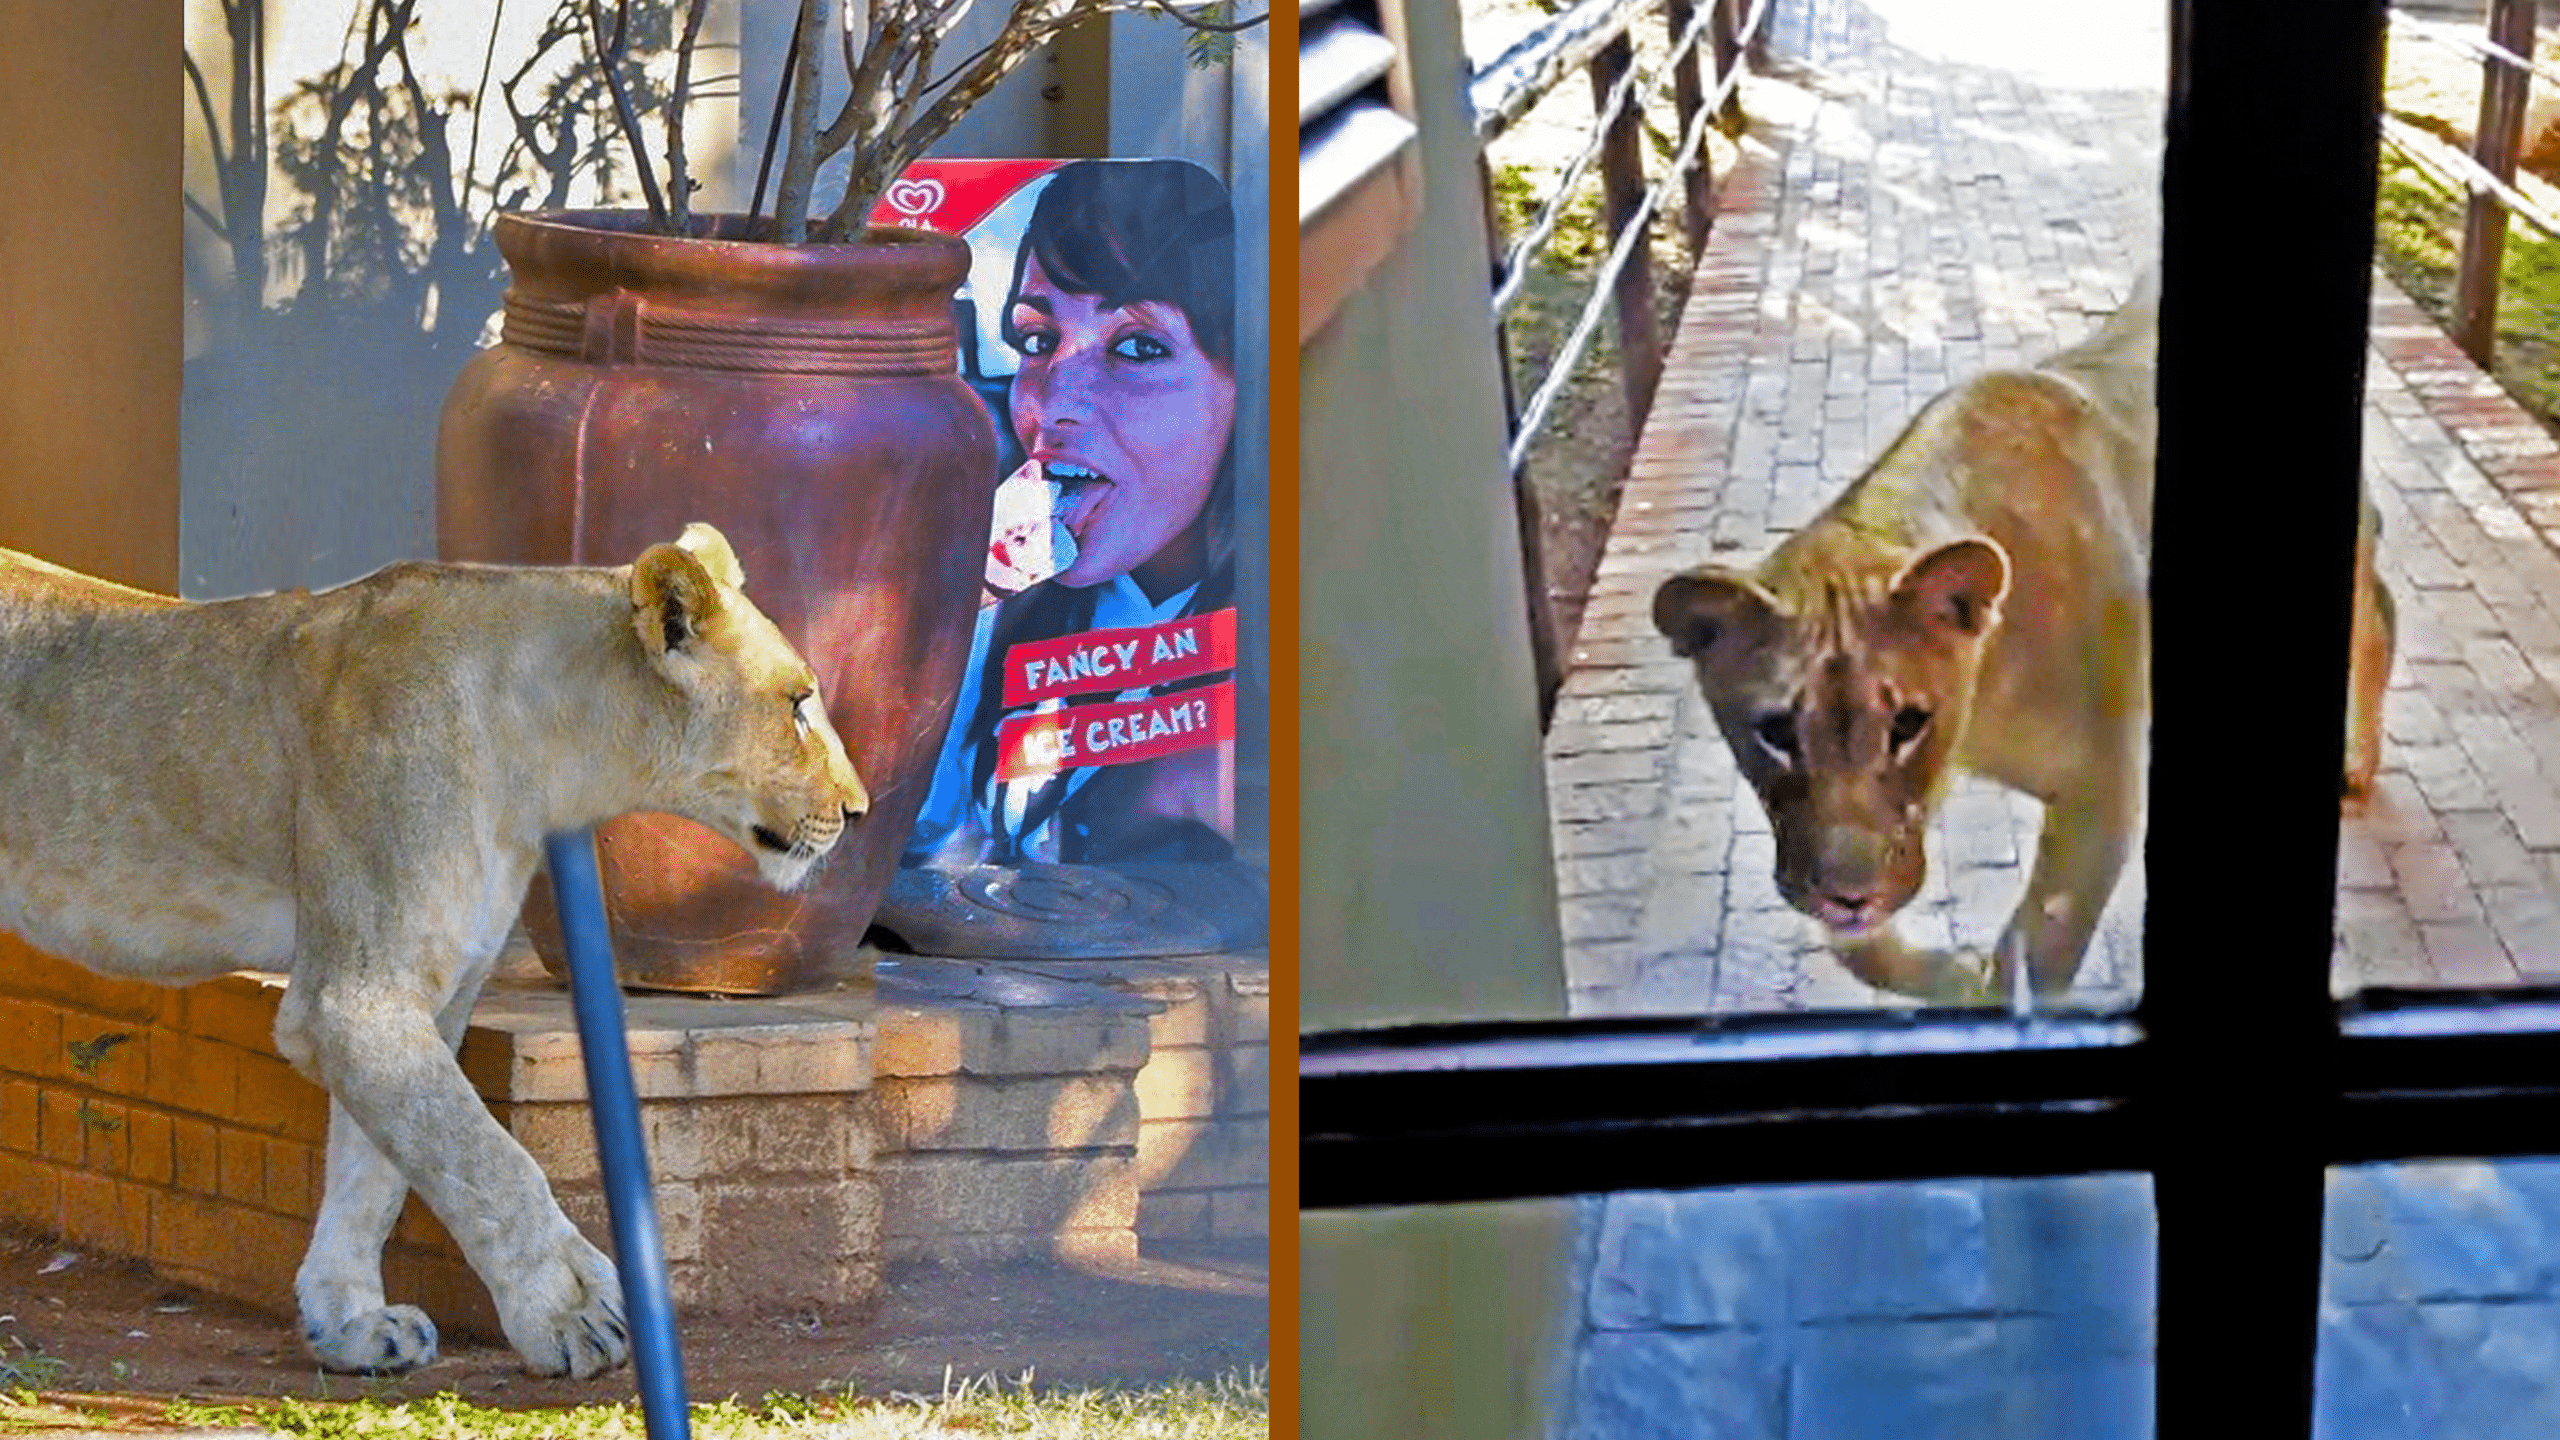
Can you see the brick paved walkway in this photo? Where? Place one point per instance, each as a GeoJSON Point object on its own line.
{"type": "Point", "coordinates": [1903, 220]}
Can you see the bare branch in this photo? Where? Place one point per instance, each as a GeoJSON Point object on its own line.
{"type": "Point", "coordinates": [1211, 27]}
{"type": "Point", "coordinates": [781, 102]}
{"type": "Point", "coordinates": [479, 103]}
{"type": "Point", "coordinates": [857, 31]}
{"type": "Point", "coordinates": [210, 220]}
{"type": "Point", "coordinates": [1023, 34]}
{"type": "Point", "coordinates": [887, 37]}
{"type": "Point", "coordinates": [609, 55]}
{"type": "Point", "coordinates": [679, 184]}
{"type": "Point", "coordinates": [800, 164]}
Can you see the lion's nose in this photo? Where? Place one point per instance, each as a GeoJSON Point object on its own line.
{"type": "Point", "coordinates": [1849, 910]}
{"type": "Point", "coordinates": [1850, 906]}
{"type": "Point", "coordinates": [851, 814]}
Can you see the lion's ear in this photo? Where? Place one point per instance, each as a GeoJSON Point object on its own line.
{"type": "Point", "coordinates": [712, 548]}
{"type": "Point", "coordinates": [672, 599]}
{"type": "Point", "coordinates": [1959, 585]}
{"type": "Point", "coordinates": [1702, 608]}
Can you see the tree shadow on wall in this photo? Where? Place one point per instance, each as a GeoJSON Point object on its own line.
{"type": "Point", "coordinates": [341, 266]}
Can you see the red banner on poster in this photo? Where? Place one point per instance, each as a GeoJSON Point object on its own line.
{"type": "Point", "coordinates": [1102, 660]}
{"type": "Point", "coordinates": [954, 194]}
{"type": "Point", "coordinates": [1116, 732]}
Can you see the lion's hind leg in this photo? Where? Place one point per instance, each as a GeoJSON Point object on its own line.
{"type": "Point", "coordinates": [339, 1287]}
{"type": "Point", "coordinates": [345, 1319]}
{"type": "Point", "coordinates": [2374, 640]}
{"type": "Point", "coordinates": [559, 1299]}
{"type": "Point", "coordinates": [363, 1027]}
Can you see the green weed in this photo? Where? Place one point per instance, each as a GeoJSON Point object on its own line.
{"type": "Point", "coordinates": [1231, 1408]}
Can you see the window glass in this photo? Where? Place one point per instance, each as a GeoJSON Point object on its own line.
{"type": "Point", "coordinates": [1928, 193]}
{"type": "Point", "coordinates": [2437, 1311]}
{"type": "Point", "coordinates": [2019, 1308]}
{"type": "Point", "coordinates": [2447, 852]}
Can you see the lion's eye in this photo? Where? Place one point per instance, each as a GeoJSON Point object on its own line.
{"type": "Point", "coordinates": [1776, 731]}
{"type": "Point", "coordinates": [1908, 724]}
{"type": "Point", "coordinates": [800, 710]}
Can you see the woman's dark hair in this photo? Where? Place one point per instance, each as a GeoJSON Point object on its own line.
{"type": "Point", "coordinates": [1128, 231]}
{"type": "Point", "coordinates": [1131, 231]}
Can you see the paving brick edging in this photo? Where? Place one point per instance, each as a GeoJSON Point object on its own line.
{"type": "Point", "coordinates": [1616, 758]}
{"type": "Point", "coordinates": [2508, 445]}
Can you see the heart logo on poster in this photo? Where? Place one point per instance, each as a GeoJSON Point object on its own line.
{"type": "Point", "coordinates": [916, 197]}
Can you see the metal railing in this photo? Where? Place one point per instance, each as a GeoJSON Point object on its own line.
{"type": "Point", "coordinates": [2488, 173]}
{"type": "Point", "coordinates": [1596, 37]}
{"type": "Point", "coordinates": [1594, 34]}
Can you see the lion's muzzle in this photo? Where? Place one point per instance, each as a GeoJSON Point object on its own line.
{"type": "Point", "coordinates": [1852, 878]}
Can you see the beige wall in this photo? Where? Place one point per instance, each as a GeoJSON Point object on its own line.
{"type": "Point", "coordinates": [1439, 1323]}
{"type": "Point", "coordinates": [89, 293]}
{"type": "Point", "coordinates": [1427, 887]}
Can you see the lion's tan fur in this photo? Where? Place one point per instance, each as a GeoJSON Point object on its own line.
{"type": "Point", "coordinates": [353, 787]}
{"type": "Point", "coordinates": [1989, 574]}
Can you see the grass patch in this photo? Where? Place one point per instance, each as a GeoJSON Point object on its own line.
{"type": "Point", "coordinates": [1231, 1408]}
{"type": "Point", "coordinates": [2418, 234]}
{"type": "Point", "coordinates": [25, 1368]}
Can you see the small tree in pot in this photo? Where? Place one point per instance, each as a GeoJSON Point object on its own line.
{"type": "Point", "coordinates": [904, 94]}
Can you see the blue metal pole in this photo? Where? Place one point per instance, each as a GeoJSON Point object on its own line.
{"type": "Point", "coordinates": [619, 1149]}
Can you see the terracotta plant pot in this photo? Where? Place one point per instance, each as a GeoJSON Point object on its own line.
{"type": "Point", "coordinates": [806, 400]}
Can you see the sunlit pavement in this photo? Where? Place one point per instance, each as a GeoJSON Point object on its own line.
{"type": "Point", "coordinates": [1941, 187]}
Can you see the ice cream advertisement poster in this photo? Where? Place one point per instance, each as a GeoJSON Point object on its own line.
{"type": "Point", "coordinates": [1097, 720]}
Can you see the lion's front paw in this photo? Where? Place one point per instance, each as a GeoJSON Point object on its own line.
{"type": "Point", "coordinates": [1933, 977]}
{"type": "Point", "coordinates": [1964, 977]}
{"type": "Point", "coordinates": [391, 1341]}
{"type": "Point", "coordinates": [566, 1318]}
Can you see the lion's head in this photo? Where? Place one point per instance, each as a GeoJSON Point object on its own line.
{"type": "Point", "coordinates": [758, 760]}
{"type": "Point", "coordinates": [1843, 699]}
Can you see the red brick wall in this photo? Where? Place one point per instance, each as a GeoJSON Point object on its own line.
{"type": "Point", "coordinates": [186, 1142]}
{"type": "Point", "coordinates": [192, 1145]}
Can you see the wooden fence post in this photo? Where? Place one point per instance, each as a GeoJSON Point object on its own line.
{"type": "Point", "coordinates": [2495, 145]}
{"type": "Point", "coordinates": [1722, 21]}
{"type": "Point", "coordinates": [1691, 97]}
{"type": "Point", "coordinates": [1546, 656]}
{"type": "Point", "coordinates": [1623, 188]}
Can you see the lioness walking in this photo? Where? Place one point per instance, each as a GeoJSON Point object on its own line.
{"type": "Point", "coordinates": [1978, 598]}
{"type": "Point", "coordinates": [353, 787]}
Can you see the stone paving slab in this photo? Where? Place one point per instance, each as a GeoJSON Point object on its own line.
{"type": "Point", "coordinates": [1909, 212]}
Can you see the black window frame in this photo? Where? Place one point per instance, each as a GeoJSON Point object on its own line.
{"type": "Point", "coordinates": [2239, 1078]}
